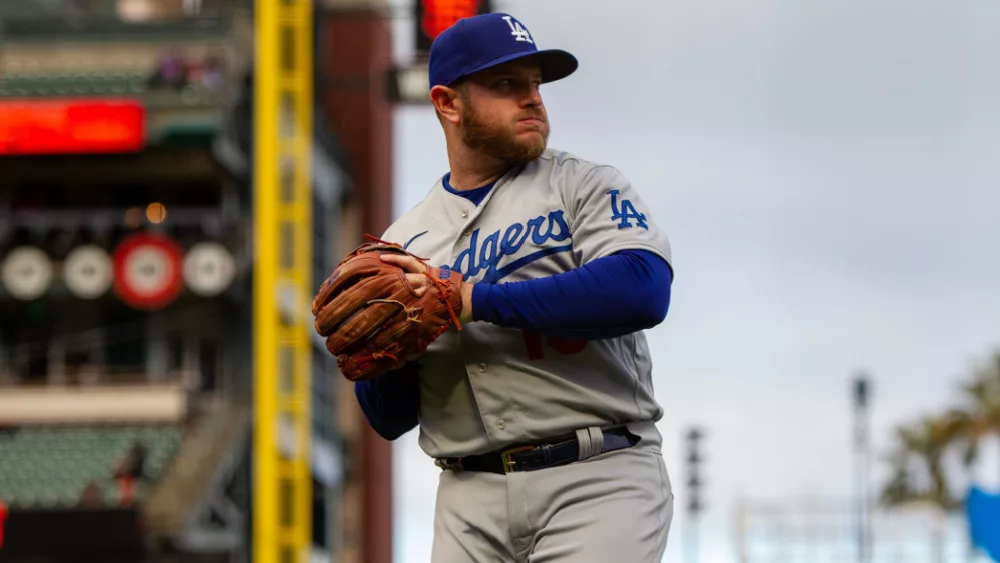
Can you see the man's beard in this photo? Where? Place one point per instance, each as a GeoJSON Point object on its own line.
{"type": "Point", "coordinates": [499, 141]}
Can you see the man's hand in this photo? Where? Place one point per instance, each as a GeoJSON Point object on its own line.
{"type": "Point", "coordinates": [415, 274]}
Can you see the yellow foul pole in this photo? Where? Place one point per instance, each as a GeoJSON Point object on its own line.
{"type": "Point", "coordinates": [282, 515]}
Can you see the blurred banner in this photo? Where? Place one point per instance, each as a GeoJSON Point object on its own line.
{"type": "Point", "coordinates": [431, 17]}
{"type": "Point", "coordinates": [71, 126]}
{"type": "Point", "coordinates": [984, 521]}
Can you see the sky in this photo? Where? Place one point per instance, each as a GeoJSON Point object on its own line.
{"type": "Point", "coordinates": [826, 173]}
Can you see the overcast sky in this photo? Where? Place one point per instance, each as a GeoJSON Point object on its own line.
{"type": "Point", "coordinates": [827, 173]}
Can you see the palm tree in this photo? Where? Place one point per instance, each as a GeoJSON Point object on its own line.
{"type": "Point", "coordinates": [979, 418]}
{"type": "Point", "coordinates": [917, 461]}
{"type": "Point", "coordinates": [899, 489]}
{"type": "Point", "coordinates": [920, 450]}
{"type": "Point", "coordinates": [982, 406]}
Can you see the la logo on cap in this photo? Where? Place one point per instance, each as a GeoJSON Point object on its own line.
{"type": "Point", "coordinates": [517, 30]}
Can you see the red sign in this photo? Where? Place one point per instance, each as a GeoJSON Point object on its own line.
{"type": "Point", "coordinates": [432, 17]}
{"type": "Point", "coordinates": [71, 126]}
{"type": "Point", "coordinates": [3, 518]}
{"type": "Point", "coordinates": [148, 271]}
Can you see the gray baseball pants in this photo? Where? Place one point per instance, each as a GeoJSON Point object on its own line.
{"type": "Point", "coordinates": [615, 506]}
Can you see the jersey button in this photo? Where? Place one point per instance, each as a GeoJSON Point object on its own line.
{"type": "Point", "coordinates": [465, 213]}
{"type": "Point", "coordinates": [501, 424]}
{"type": "Point", "coordinates": [482, 367]}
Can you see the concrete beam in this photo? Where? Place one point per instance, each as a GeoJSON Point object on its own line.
{"type": "Point", "coordinates": [343, 5]}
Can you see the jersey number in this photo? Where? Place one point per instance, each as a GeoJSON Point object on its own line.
{"type": "Point", "coordinates": [564, 346]}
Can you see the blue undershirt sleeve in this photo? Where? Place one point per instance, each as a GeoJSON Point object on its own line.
{"type": "Point", "coordinates": [612, 296]}
{"type": "Point", "coordinates": [391, 401]}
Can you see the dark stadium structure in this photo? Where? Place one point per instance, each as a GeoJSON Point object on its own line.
{"type": "Point", "coordinates": [126, 251]}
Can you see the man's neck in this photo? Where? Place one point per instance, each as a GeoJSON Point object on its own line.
{"type": "Point", "coordinates": [471, 170]}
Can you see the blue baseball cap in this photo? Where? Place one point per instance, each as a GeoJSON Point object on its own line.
{"type": "Point", "coordinates": [484, 41]}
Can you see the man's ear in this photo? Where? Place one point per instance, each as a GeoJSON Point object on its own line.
{"type": "Point", "coordinates": [447, 102]}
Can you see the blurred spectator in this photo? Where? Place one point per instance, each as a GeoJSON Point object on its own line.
{"type": "Point", "coordinates": [206, 73]}
{"type": "Point", "coordinates": [174, 71]}
{"type": "Point", "coordinates": [212, 72]}
{"type": "Point", "coordinates": [130, 472]}
{"type": "Point", "coordinates": [171, 72]}
{"type": "Point", "coordinates": [91, 496]}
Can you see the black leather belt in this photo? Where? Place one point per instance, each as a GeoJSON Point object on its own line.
{"type": "Point", "coordinates": [531, 457]}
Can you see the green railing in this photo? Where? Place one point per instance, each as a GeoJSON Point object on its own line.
{"type": "Point", "coordinates": [97, 84]}
{"type": "Point", "coordinates": [58, 29]}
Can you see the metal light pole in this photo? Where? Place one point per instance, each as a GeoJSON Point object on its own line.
{"type": "Point", "coordinates": [695, 504]}
{"type": "Point", "coordinates": [862, 452]}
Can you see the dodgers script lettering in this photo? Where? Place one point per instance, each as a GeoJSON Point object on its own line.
{"type": "Point", "coordinates": [487, 255]}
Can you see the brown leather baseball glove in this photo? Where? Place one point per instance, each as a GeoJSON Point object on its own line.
{"type": "Point", "coordinates": [372, 317]}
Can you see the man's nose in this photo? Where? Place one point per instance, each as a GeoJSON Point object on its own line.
{"type": "Point", "coordinates": [532, 97]}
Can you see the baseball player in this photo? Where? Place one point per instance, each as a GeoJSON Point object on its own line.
{"type": "Point", "coordinates": [540, 410]}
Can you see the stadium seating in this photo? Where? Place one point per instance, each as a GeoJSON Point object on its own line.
{"type": "Point", "coordinates": [50, 467]}
{"type": "Point", "coordinates": [130, 83]}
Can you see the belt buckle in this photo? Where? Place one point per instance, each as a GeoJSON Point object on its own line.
{"type": "Point", "coordinates": [508, 464]}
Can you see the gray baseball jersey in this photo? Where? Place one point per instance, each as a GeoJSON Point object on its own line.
{"type": "Point", "coordinates": [486, 387]}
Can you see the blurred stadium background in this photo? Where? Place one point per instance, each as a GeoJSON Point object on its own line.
{"type": "Point", "coordinates": [176, 177]}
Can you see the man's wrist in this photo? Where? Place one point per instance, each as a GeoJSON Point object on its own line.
{"type": "Point", "coordinates": [467, 314]}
